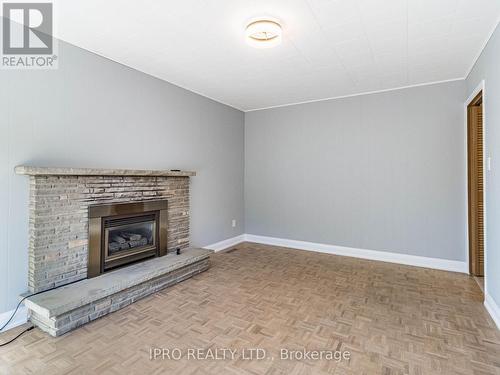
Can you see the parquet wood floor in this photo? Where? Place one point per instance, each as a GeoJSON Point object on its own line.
{"type": "Point", "coordinates": [393, 319]}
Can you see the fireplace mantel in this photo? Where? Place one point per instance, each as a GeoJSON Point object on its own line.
{"type": "Point", "coordinates": [61, 171]}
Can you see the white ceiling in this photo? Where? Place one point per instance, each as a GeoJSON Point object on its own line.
{"type": "Point", "coordinates": [330, 48]}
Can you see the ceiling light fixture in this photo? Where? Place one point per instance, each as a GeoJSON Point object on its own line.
{"type": "Point", "coordinates": [263, 33]}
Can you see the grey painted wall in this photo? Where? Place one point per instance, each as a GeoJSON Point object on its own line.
{"type": "Point", "coordinates": [92, 112]}
{"type": "Point", "coordinates": [381, 172]}
{"type": "Point", "coordinates": [487, 68]}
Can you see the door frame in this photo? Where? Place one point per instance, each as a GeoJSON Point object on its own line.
{"type": "Point", "coordinates": [472, 96]}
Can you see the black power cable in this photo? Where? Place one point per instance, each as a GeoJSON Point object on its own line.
{"type": "Point", "coordinates": [17, 308]}
{"type": "Point", "coordinates": [15, 338]}
{"type": "Point", "coordinates": [10, 319]}
{"type": "Point", "coordinates": [14, 314]}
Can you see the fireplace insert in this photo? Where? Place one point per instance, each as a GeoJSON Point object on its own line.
{"type": "Point", "coordinates": [125, 233]}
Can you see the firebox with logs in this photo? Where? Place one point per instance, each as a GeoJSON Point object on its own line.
{"type": "Point", "coordinates": [126, 233]}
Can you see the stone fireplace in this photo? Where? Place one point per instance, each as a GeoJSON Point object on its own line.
{"type": "Point", "coordinates": [60, 202]}
{"type": "Point", "coordinates": [111, 231]}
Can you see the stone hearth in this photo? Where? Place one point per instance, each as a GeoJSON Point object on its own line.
{"type": "Point", "coordinates": [59, 236]}
{"type": "Point", "coordinates": [63, 309]}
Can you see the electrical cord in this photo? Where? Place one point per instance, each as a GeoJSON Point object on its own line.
{"type": "Point", "coordinates": [14, 314]}
{"type": "Point", "coordinates": [10, 319]}
{"type": "Point", "coordinates": [15, 338]}
{"type": "Point", "coordinates": [17, 308]}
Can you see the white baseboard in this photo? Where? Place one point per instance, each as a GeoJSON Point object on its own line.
{"type": "Point", "coordinates": [492, 308]}
{"type": "Point", "coordinates": [384, 256]}
{"type": "Point", "coordinates": [411, 260]}
{"type": "Point", "coordinates": [226, 243]}
{"type": "Point", "coordinates": [21, 317]}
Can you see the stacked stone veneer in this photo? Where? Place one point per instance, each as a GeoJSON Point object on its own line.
{"type": "Point", "coordinates": [58, 226]}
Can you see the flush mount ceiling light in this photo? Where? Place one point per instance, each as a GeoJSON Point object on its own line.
{"type": "Point", "coordinates": [263, 33]}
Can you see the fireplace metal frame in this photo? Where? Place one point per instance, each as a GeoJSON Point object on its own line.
{"type": "Point", "coordinates": [97, 214]}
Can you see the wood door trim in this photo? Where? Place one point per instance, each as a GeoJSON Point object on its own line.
{"type": "Point", "coordinates": [475, 185]}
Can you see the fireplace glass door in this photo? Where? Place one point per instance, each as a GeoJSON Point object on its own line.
{"type": "Point", "coordinates": [129, 238]}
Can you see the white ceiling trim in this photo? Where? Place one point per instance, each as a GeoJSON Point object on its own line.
{"type": "Point", "coordinates": [302, 102]}
{"type": "Point", "coordinates": [482, 48]}
{"type": "Point", "coordinates": [360, 94]}
{"type": "Point", "coordinates": [297, 103]}
{"type": "Point", "coordinates": [307, 101]}
{"type": "Point", "coordinates": [154, 76]}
